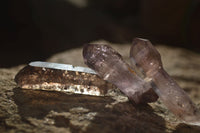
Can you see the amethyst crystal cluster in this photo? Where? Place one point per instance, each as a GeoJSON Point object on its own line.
{"type": "Point", "coordinates": [144, 80]}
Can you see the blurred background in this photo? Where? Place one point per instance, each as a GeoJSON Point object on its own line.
{"type": "Point", "coordinates": [36, 29]}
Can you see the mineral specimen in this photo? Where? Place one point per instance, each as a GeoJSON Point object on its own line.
{"type": "Point", "coordinates": [109, 65]}
{"type": "Point", "coordinates": [145, 56]}
{"type": "Point", "coordinates": [62, 77]}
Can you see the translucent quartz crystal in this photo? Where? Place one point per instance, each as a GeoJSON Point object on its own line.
{"type": "Point", "coordinates": [143, 54]}
{"type": "Point", "coordinates": [109, 65]}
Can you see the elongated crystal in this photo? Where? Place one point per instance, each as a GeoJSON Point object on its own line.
{"type": "Point", "coordinates": [109, 65]}
{"type": "Point", "coordinates": [145, 55]}
{"type": "Point", "coordinates": [62, 77]}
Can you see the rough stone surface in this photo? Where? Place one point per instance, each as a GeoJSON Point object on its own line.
{"type": "Point", "coordinates": [42, 111]}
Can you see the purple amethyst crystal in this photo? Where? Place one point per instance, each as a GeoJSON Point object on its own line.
{"type": "Point", "coordinates": [110, 66]}
{"type": "Point", "coordinates": [144, 55]}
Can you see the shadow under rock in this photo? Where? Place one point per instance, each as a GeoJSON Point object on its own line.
{"type": "Point", "coordinates": [124, 117]}
{"type": "Point", "coordinates": [37, 103]}
{"type": "Point", "coordinates": [121, 117]}
{"type": "Point", "coordinates": [184, 128]}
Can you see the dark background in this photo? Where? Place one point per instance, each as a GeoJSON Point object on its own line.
{"type": "Point", "coordinates": [35, 29]}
